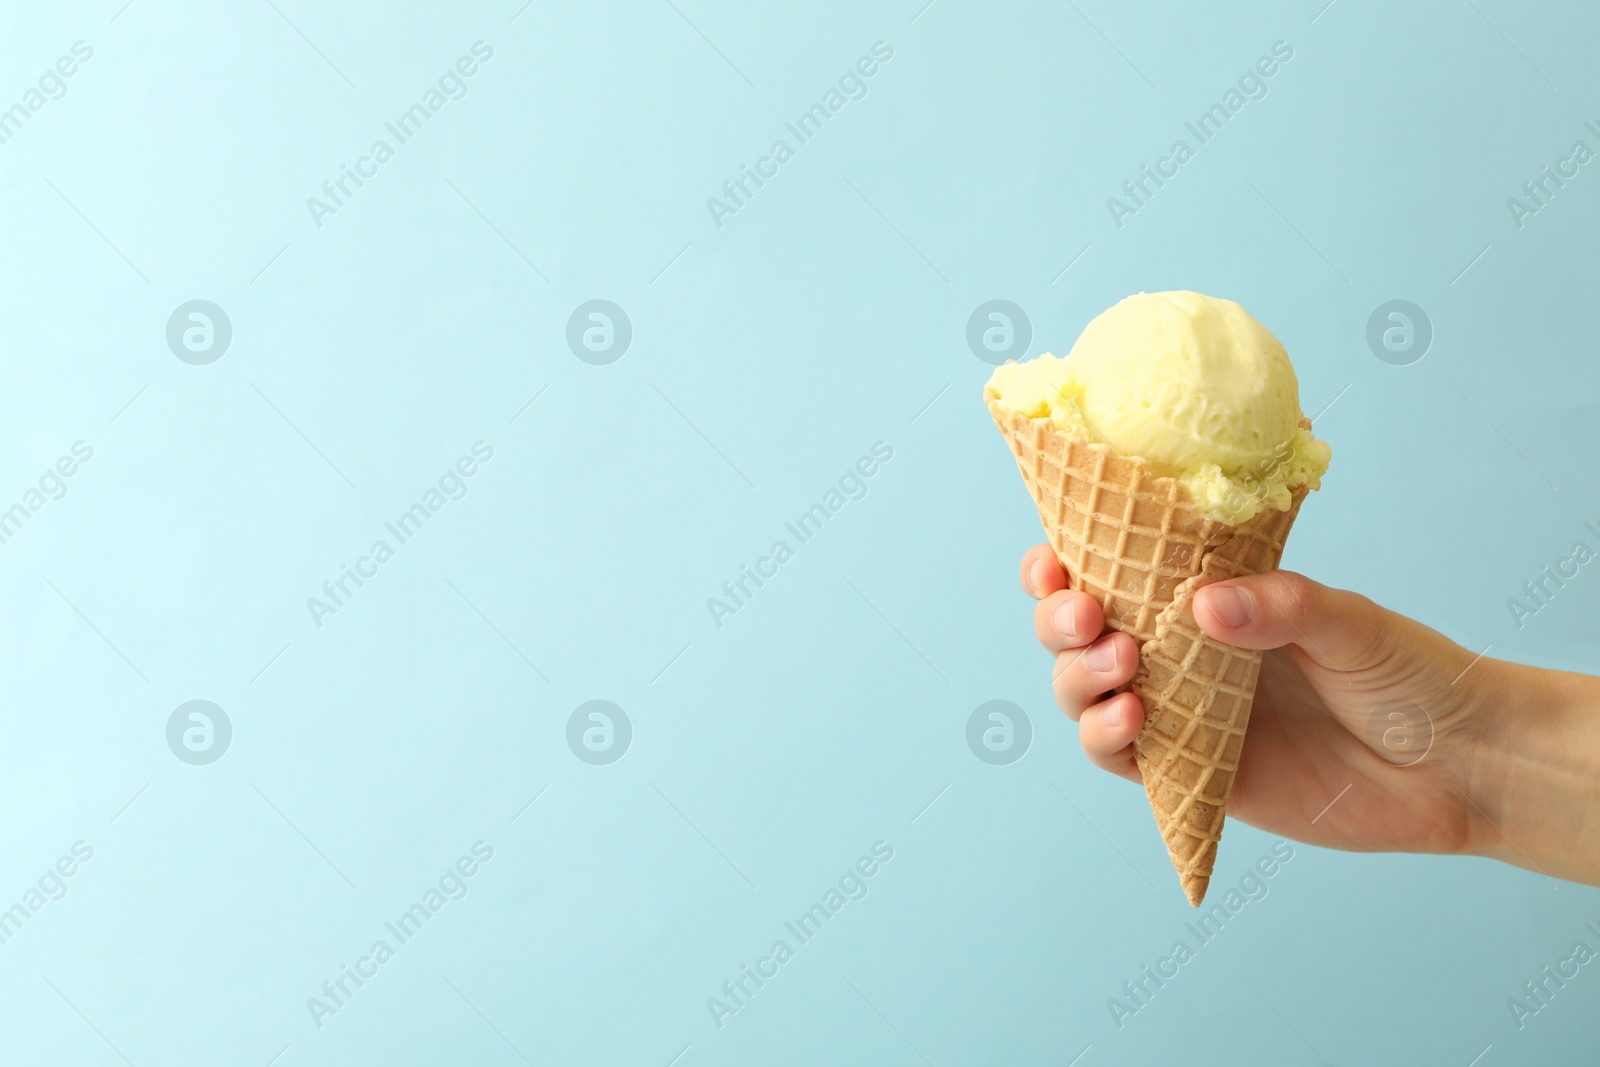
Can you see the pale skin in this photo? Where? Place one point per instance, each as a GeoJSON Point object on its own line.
{"type": "Point", "coordinates": [1512, 771]}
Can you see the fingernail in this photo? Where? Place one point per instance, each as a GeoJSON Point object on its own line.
{"type": "Point", "coordinates": [1111, 715]}
{"type": "Point", "coordinates": [1036, 575]}
{"type": "Point", "coordinates": [1101, 656]}
{"type": "Point", "coordinates": [1064, 620]}
{"type": "Point", "coordinates": [1233, 607]}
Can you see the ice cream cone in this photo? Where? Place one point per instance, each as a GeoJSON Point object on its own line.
{"type": "Point", "coordinates": [1138, 544]}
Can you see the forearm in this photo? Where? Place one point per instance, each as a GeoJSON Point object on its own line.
{"type": "Point", "coordinates": [1535, 781]}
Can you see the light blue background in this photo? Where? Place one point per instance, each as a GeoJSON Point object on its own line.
{"type": "Point", "coordinates": [768, 354]}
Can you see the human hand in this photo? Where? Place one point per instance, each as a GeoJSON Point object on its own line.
{"type": "Point", "coordinates": [1336, 666]}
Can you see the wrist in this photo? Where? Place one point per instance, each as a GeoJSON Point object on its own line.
{"type": "Point", "coordinates": [1493, 761]}
{"type": "Point", "coordinates": [1531, 768]}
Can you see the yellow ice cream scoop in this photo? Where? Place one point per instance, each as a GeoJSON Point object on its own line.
{"type": "Point", "coordinates": [1191, 384]}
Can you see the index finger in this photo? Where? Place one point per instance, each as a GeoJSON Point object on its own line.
{"type": "Point", "coordinates": [1042, 573]}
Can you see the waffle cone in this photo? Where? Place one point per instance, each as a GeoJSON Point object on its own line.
{"type": "Point", "coordinates": [1139, 546]}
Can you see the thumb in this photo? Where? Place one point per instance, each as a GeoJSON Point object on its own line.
{"type": "Point", "coordinates": [1340, 630]}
